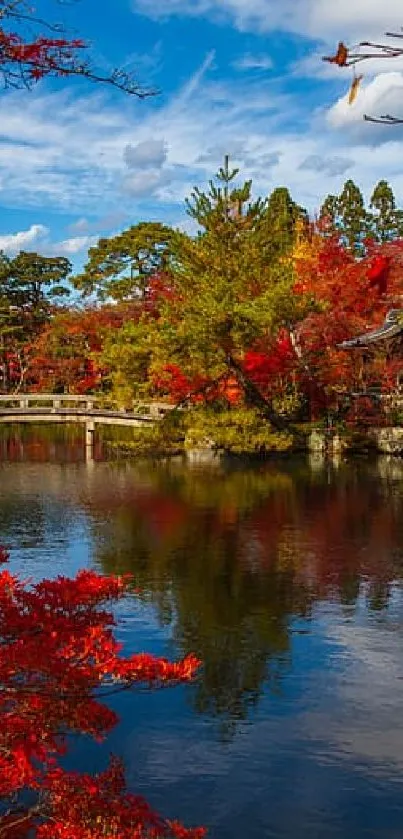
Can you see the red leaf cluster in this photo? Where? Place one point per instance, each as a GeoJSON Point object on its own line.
{"type": "Point", "coordinates": [58, 659]}
{"type": "Point", "coordinates": [40, 57]}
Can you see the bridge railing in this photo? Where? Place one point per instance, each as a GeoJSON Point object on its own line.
{"type": "Point", "coordinates": [47, 400]}
{"type": "Point", "coordinates": [83, 403]}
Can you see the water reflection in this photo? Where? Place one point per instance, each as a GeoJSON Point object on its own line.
{"type": "Point", "coordinates": [287, 581]}
{"type": "Point", "coordinates": [231, 562]}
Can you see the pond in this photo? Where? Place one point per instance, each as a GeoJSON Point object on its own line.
{"type": "Point", "coordinates": [286, 579]}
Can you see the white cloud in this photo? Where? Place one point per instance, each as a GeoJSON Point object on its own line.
{"type": "Point", "coordinates": [382, 95]}
{"type": "Point", "coordinates": [148, 153]}
{"type": "Point", "coordinates": [319, 19]}
{"type": "Point", "coordinates": [253, 62]}
{"type": "Point", "coordinates": [72, 246]}
{"type": "Point", "coordinates": [11, 243]}
{"type": "Point", "coordinates": [145, 183]}
{"type": "Point", "coordinates": [37, 237]}
{"type": "Point", "coordinates": [75, 163]}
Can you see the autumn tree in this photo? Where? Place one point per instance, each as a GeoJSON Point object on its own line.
{"type": "Point", "coordinates": [59, 661]}
{"type": "Point", "coordinates": [65, 356]}
{"type": "Point", "coordinates": [349, 297]}
{"type": "Point", "coordinates": [32, 48]}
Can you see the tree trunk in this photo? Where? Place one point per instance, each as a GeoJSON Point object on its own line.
{"type": "Point", "coordinates": [254, 397]}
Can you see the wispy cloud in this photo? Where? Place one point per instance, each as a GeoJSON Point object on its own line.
{"type": "Point", "coordinates": [317, 19]}
{"type": "Point", "coordinates": [107, 158]}
{"type": "Point", "coordinates": [253, 62]}
{"type": "Point", "coordinates": [191, 86]}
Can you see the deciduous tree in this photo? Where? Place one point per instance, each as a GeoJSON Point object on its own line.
{"type": "Point", "coordinates": [65, 356]}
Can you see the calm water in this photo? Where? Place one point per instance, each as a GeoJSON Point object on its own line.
{"type": "Point", "coordinates": [287, 581]}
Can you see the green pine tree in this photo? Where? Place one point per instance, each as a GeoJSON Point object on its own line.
{"type": "Point", "coordinates": [228, 293]}
{"type": "Point", "coordinates": [280, 220]}
{"type": "Point", "coordinates": [120, 267]}
{"type": "Point", "coordinates": [353, 220]}
{"type": "Point", "coordinates": [328, 214]}
{"type": "Point", "coordinates": [386, 219]}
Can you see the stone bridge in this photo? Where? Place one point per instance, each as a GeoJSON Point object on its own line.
{"type": "Point", "coordinates": [71, 408]}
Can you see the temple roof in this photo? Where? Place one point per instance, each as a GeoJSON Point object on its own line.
{"type": "Point", "coordinates": [391, 328]}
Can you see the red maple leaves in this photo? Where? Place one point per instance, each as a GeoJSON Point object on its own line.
{"type": "Point", "coordinates": [39, 58]}
{"type": "Point", "coordinates": [58, 659]}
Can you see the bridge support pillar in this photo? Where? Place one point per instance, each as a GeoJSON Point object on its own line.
{"type": "Point", "coordinates": [89, 439]}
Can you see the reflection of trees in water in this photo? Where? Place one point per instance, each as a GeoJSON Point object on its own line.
{"type": "Point", "coordinates": [234, 618]}
{"type": "Point", "coordinates": [41, 443]}
{"type": "Point", "coordinates": [231, 559]}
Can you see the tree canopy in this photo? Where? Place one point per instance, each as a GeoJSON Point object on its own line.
{"type": "Point", "coordinates": [354, 223]}
{"type": "Point", "coordinates": [228, 289]}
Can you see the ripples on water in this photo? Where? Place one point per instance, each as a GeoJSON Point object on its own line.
{"type": "Point", "coordinates": [287, 582]}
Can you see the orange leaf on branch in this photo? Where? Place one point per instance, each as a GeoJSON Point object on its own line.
{"type": "Point", "coordinates": [340, 57]}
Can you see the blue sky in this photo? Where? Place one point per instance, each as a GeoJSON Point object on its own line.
{"type": "Point", "coordinates": [243, 77]}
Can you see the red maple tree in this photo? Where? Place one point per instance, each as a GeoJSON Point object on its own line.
{"type": "Point", "coordinates": [59, 660]}
{"type": "Point", "coordinates": [65, 355]}
{"type": "Point", "coordinates": [350, 297]}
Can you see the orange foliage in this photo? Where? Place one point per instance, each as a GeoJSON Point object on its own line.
{"type": "Point", "coordinates": [64, 357]}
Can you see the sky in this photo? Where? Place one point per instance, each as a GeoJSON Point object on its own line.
{"type": "Point", "coordinates": [238, 77]}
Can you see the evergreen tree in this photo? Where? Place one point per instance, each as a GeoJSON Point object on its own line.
{"type": "Point", "coordinates": [220, 204]}
{"type": "Point", "coordinates": [328, 214]}
{"type": "Point", "coordinates": [386, 219]}
{"type": "Point", "coordinates": [281, 217]}
{"type": "Point", "coordinates": [353, 220]}
{"type": "Point", "coordinates": [121, 267]}
{"type": "Point", "coordinates": [227, 293]}
{"type": "Point", "coordinates": [28, 283]}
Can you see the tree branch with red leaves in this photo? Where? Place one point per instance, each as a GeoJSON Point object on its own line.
{"type": "Point", "coordinates": [27, 55]}
{"type": "Point", "coordinates": [57, 654]}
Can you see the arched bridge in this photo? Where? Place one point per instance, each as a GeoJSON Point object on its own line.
{"type": "Point", "coordinates": [70, 408]}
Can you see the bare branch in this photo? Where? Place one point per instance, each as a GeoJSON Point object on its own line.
{"type": "Point", "coordinates": [25, 60]}
{"type": "Point", "coordinates": [349, 57]}
{"type": "Point", "coordinates": [386, 119]}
